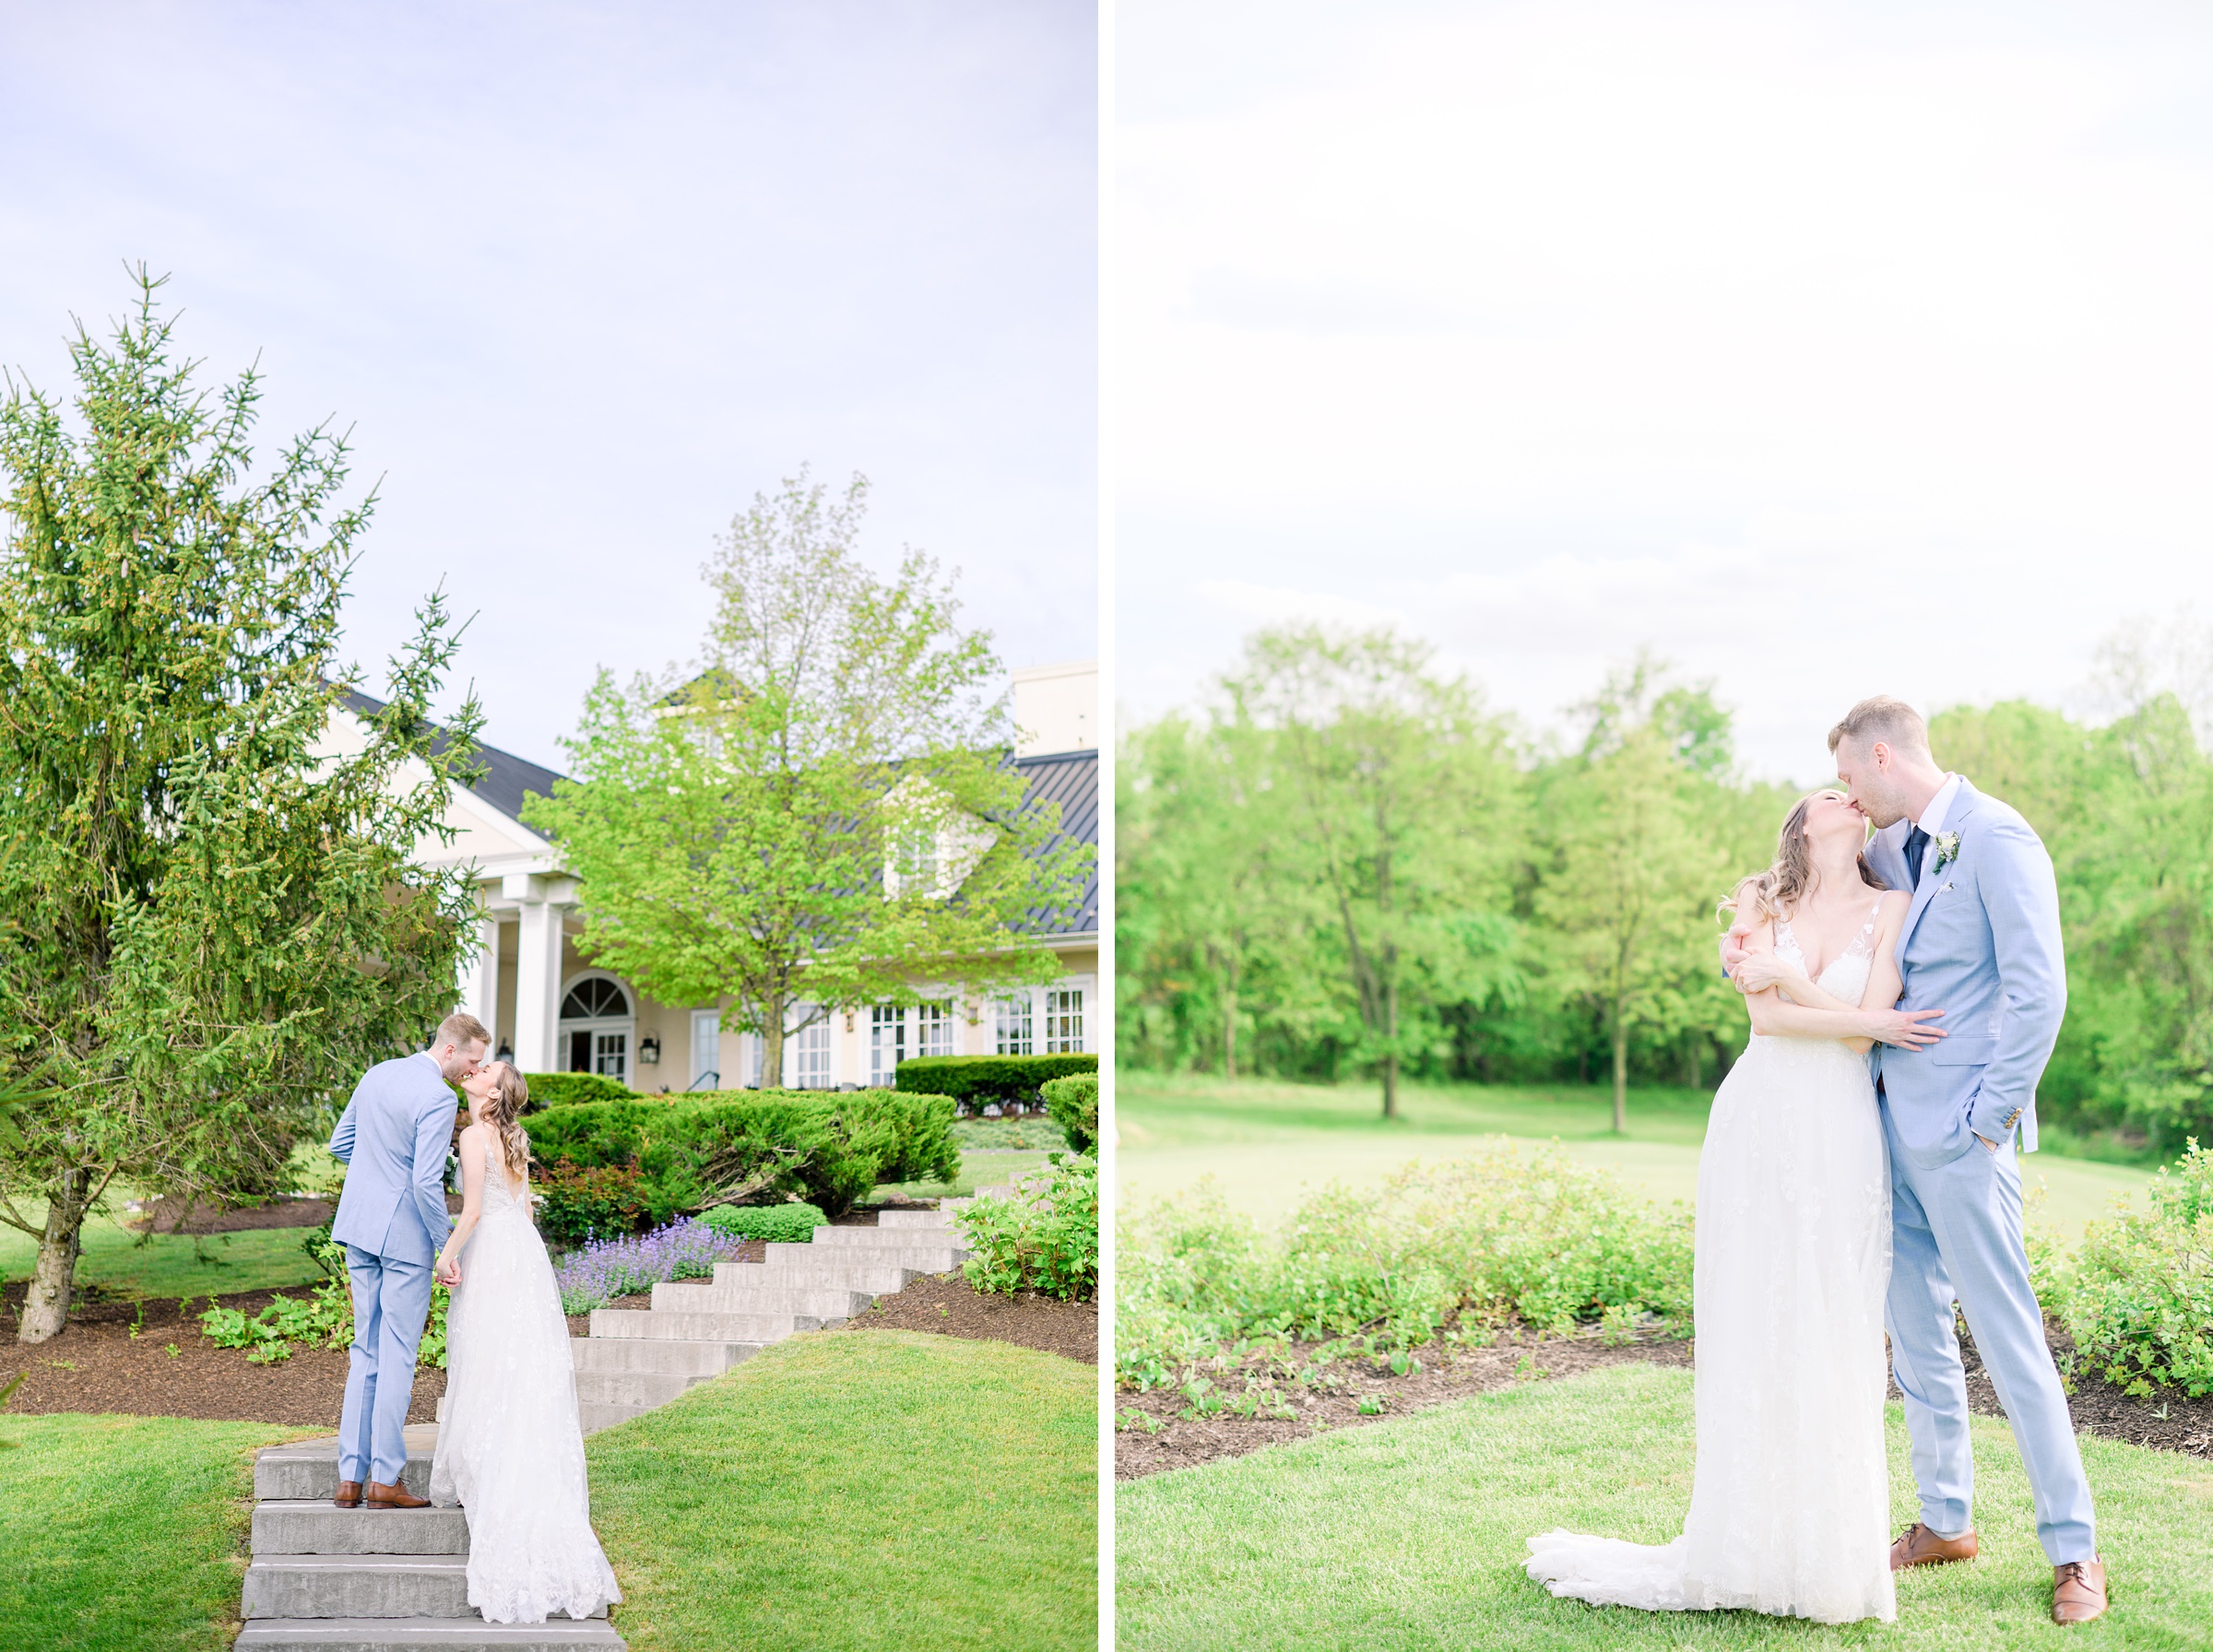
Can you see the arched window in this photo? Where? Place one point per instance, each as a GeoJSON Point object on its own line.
{"type": "Point", "coordinates": [599, 1024]}
{"type": "Point", "coordinates": [594, 996]}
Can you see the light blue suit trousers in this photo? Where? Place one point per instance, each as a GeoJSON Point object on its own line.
{"type": "Point", "coordinates": [1982, 943]}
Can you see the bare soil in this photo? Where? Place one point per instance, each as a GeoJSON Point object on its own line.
{"type": "Point", "coordinates": [1159, 1430]}
{"type": "Point", "coordinates": [96, 1365]}
{"type": "Point", "coordinates": [167, 1215]}
{"type": "Point", "coordinates": [948, 1305]}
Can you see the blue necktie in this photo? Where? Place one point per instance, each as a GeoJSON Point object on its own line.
{"type": "Point", "coordinates": [1917, 842]}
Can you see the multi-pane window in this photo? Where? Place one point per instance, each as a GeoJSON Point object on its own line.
{"type": "Point", "coordinates": [1064, 1020]}
{"type": "Point", "coordinates": [933, 1029]}
{"type": "Point", "coordinates": [1014, 1026]}
{"type": "Point", "coordinates": [810, 1061]}
{"type": "Point", "coordinates": [610, 1056]}
{"type": "Point", "coordinates": [887, 1043]}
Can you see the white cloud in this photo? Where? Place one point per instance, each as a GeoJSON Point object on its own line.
{"type": "Point", "coordinates": [1808, 347]}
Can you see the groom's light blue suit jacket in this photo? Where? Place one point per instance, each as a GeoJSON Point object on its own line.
{"type": "Point", "coordinates": [1982, 943]}
{"type": "Point", "coordinates": [392, 1138]}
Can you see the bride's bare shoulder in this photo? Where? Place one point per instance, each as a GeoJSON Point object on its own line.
{"type": "Point", "coordinates": [1894, 904]}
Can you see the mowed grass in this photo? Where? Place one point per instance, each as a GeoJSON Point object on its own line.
{"type": "Point", "coordinates": [1409, 1534]}
{"type": "Point", "coordinates": [979, 1168]}
{"type": "Point", "coordinates": [1268, 1143]}
{"type": "Point", "coordinates": [125, 1533]}
{"type": "Point", "coordinates": [170, 1265]}
{"type": "Point", "coordinates": [860, 1490]}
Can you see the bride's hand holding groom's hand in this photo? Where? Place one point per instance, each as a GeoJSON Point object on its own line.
{"type": "Point", "coordinates": [447, 1272]}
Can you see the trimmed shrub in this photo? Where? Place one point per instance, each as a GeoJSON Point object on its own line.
{"type": "Point", "coordinates": [1044, 1237]}
{"type": "Point", "coordinates": [723, 1147]}
{"type": "Point", "coordinates": [784, 1224]}
{"type": "Point", "coordinates": [976, 1079]}
{"type": "Point", "coordinates": [580, 1203]}
{"type": "Point", "coordinates": [563, 1089]}
{"type": "Point", "coordinates": [1075, 1104]}
{"type": "Point", "coordinates": [1501, 1235]}
{"type": "Point", "coordinates": [2138, 1296]}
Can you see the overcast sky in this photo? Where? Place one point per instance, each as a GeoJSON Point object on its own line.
{"type": "Point", "coordinates": [583, 277]}
{"type": "Point", "coordinates": [1828, 349]}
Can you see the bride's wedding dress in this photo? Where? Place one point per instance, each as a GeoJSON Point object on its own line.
{"type": "Point", "coordinates": [1790, 1504]}
{"type": "Point", "coordinates": [510, 1449]}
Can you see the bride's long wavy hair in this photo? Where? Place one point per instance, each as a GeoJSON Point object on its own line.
{"type": "Point", "coordinates": [509, 1097]}
{"type": "Point", "coordinates": [1775, 894]}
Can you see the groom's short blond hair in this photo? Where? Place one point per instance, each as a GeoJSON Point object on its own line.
{"type": "Point", "coordinates": [1882, 718]}
{"type": "Point", "coordinates": [460, 1029]}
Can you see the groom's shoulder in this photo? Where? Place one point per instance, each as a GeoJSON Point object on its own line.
{"type": "Point", "coordinates": [1991, 811]}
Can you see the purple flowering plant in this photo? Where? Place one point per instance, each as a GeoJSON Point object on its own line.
{"type": "Point", "coordinates": [594, 1275]}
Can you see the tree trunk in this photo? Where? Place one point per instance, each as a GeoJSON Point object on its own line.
{"type": "Point", "coordinates": [1391, 1035]}
{"type": "Point", "coordinates": [1621, 1074]}
{"type": "Point", "coordinates": [46, 1308]}
{"type": "Point", "coordinates": [772, 1045]}
{"type": "Point", "coordinates": [1229, 1021]}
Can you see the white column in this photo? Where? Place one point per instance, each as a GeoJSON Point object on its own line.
{"type": "Point", "coordinates": [537, 968]}
{"type": "Point", "coordinates": [480, 977]}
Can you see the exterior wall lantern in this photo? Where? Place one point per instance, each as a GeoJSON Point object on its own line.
{"type": "Point", "coordinates": [649, 1050]}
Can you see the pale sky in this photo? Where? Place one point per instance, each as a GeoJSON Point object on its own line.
{"type": "Point", "coordinates": [583, 277]}
{"type": "Point", "coordinates": [1828, 349]}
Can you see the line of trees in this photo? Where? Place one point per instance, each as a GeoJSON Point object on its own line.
{"type": "Point", "coordinates": [1349, 866]}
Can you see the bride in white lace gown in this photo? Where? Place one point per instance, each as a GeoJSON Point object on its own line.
{"type": "Point", "coordinates": [510, 1449]}
{"type": "Point", "coordinates": [1790, 1502]}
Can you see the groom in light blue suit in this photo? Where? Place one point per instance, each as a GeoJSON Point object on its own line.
{"type": "Point", "coordinates": [392, 1218]}
{"type": "Point", "coordinates": [1982, 943]}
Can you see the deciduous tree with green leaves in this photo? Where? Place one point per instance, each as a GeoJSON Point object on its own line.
{"type": "Point", "coordinates": [1399, 791]}
{"type": "Point", "coordinates": [210, 920]}
{"type": "Point", "coordinates": [824, 809]}
{"type": "Point", "coordinates": [1634, 864]}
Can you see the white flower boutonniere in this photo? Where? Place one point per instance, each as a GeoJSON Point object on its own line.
{"type": "Point", "coordinates": [1948, 848]}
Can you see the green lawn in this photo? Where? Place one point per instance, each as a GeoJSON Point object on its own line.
{"type": "Point", "coordinates": [978, 1168]}
{"type": "Point", "coordinates": [1263, 1142]}
{"type": "Point", "coordinates": [170, 1265]}
{"type": "Point", "coordinates": [1408, 1536]}
{"type": "Point", "coordinates": [122, 1533]}
{"type": "Point", "coordinates": [860, 1490]}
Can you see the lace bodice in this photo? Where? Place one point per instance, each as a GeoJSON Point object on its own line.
{"type": "Point", "coordinates": [1845, 976]}
{"type": "Point", "coordinates": [499, 1194]}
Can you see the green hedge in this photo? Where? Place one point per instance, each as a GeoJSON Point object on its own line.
{"type": "Point", "coordinates": [980, 1079]}
{"type": "Point", "coordinates": [827, 1147]}
{"type": "Point", "coordinates": [786, 1224]}
{"type": "Point", "coordinates": [1075, 1104]}
{"type": "Point", "coordinates": [561, 1089]}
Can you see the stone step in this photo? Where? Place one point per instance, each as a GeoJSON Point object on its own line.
{"type": "Point", "coordinates": [316, 1526]}
{"type": "Point", "coordinates": [310, 1468]}
{"type": "Point", "coordinates": [759, 1329]}
{"type": "Point", "coordinates": [824, 1270]}
{"type": "Point", "coordinates": [426, 1635]}
{"type": "Point", "coordinates": [915, 1259]}
{"type": "Point", "coordinates": [911, 1219]}
{"type": "Point", "coordinates": [761, 1298]}
{"type": "Point", "coordinates": [639, 1353]}
{"type": "Point", "coordinates": [644, 1389]}
{"type": "Point", "coordinates": [595, 1417]}
{"type": "Point", "coordinates": [357, 1585]}
{"type": "Point", "coordinates": [879, 1238]}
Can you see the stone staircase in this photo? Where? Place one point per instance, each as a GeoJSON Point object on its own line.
{"type": "Point", "coordinates": [328, 1579]}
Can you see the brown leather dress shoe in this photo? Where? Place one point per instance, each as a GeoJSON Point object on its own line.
{"type": "Point", "coordinates": [394, 1496]}
{"type": "Point", "coordinates": [2077, 1591]}
{"type": "Point", "coordinates": [1916, 1546]}
{"type": "Point", "coordinates": [349, 1494]}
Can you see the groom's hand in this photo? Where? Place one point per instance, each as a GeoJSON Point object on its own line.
{"type": "Point", "coordinates": [1988, 1143]}
{"type": "Point", "coordinates": [1733, 950]}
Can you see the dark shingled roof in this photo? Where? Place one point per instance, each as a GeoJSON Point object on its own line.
{"type": "Point", "coordinates": [1072, 779]}
{"type": "Point", "coordinates": [507, 779]}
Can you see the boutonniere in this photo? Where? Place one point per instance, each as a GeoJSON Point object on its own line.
{"type": "Point", "coordinates": [1948, 848]}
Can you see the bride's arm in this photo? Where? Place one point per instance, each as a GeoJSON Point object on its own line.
{"type": "Point", "coordinates": [448, 1271]}
{"type": "Point", "coordinates": [1829, 1017]}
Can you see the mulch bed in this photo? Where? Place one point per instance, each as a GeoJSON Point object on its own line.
{"type": "Point", "coordinates": [96, 1366]}
{"type": "Point", "coordinates": [948, 1305]}
{"type": "Point", "coordinates": [1169, 1439]}
{"type": "Point", "coordinates": [171, 1216]}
